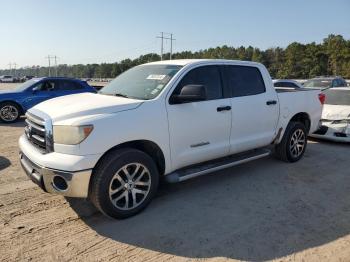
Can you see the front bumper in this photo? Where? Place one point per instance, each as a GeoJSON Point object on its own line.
{"type": "Point", "coordinates": [76, 183]}
{"type": "Point", "coordinates": [339, 132]}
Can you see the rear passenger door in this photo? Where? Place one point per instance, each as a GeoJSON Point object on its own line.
{"type": "Point", "coordinates": [68, 87]}
{"type": "Point", "coordinates": [255, 108]}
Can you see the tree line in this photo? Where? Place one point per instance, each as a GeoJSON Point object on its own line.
{"type": "Point", "coordinates": [331, 57]}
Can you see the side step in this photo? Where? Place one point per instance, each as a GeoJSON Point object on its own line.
{"type": "Point", "coordinates": [215, 165]}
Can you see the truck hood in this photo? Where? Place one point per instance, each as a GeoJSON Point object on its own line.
{"type": "Point", "coordinates": [336, 112]}
{"type": "Point", "coordinates": [85, 104]}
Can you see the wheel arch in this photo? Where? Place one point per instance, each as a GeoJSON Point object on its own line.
{"type": "Point", "coordinates": [146, 146]}
{"type": "Point", "coordinates": [303, 118]}
{"type": "Point", "coordinates": [22, 111]}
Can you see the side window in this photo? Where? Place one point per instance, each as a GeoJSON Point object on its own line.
{"type": "Point", "coordinates": [336, 83]}
{"type": "Point", "coordinates": [244, 80]}
{"type": "Point", "coordinates": [289, 84]}
{"type": "Point", "coordinates": [279, 84]}
{"type": "Point", "coordinates": [209, 76]}
{"type": "Point", "coordinates": [69, 85]}
{"type": "Point", "coordinates": [285, 84]}
{"type": "Point", "coordinates": [46, 86]}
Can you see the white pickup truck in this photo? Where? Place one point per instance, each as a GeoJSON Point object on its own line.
{"type": "Point", "coordinates": [174, 119]}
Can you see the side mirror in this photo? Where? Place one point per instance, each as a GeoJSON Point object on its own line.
{"type": "Point", "coordinates": [189, 93]}
{"type": "Point", "coordinates": [35, 89]}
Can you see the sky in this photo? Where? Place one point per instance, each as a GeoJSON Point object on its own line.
{"type": "Point", "coordinates": [97, 31]}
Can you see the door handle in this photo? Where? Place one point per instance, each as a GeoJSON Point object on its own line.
{"type": "Point", "coordinates": [223, 108]}
{"type": "Point", "coordinates": [271, 102]}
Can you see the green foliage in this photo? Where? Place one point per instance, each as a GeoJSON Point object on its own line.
{"type": "Point", "coordinates": [331, 57]}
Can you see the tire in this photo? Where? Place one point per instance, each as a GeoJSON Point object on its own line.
{"type": "Point", "coordinates": [117, 189]}
{"type": "Point", "coordinates": [9, 112]}
{"type": "Point", "coordinates": [293, 144]}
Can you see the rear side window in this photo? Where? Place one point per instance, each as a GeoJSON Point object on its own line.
{"type": "Point", "coordinates": [244, 80]}
{"type": "Point", "coordinates": [209, 76]}
{"type": "Point", "coordinates": [69, 85]}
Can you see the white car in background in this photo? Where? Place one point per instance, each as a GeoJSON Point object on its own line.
{"type": "Point", "coordinates": [335, 121]}
{"type": "Point", "coordinates": [6, 79]}
{"type": "Point", "coordinates": [288, 83]}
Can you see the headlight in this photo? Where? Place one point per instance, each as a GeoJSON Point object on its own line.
{"type": "Point", "coordinates": [71, 135]}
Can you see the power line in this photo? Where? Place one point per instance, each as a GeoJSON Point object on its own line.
{"type": "Point", "coordinates": [162, 37]}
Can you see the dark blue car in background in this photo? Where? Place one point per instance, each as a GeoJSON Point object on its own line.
{"type": "Point", "coordinates": [15, 102]}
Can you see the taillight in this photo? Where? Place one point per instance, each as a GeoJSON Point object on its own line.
{"type": "Point", "coordinates": [322, 98]}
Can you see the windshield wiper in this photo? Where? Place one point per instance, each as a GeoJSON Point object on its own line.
{"type": "Point", "coordinates": [121, 95]}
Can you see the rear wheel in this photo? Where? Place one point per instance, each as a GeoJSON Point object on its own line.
{"type": "Point", "coordinates": [9, 112]}
{"type": "Point", "coordinates": [293, 144]}
{"type": "Point", "coordinates": [124, 183]}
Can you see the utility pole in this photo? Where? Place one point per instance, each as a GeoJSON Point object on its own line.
{"type": "Point", "coordinates": [56, 65]}
{"type": "Point", "coordinates": [161, 47]}
{"type": "Point", "coordinates": [48, 58]}
{"type": "Point", "coordinates": [162, 37]}
{"type": "Point", "coordinates": [171, 45]}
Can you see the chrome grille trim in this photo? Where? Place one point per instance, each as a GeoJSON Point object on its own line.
{"type": "Point", "coordinates": [35, 119]}
{"type": "Point", "coordinates": [39, 130]}
{"type": "Point", "coordinates": [38, 138]}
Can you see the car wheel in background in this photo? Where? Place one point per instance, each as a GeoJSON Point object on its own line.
{"type": "Point", "coordinates": [9, 112]}
{"type": "Point", "coordinates": [124, 183]}
{"type": "Point", "coordinates": [293, 144]}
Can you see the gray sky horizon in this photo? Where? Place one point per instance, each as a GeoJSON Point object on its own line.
{"type": "Point", "coordinates": [83, 32]}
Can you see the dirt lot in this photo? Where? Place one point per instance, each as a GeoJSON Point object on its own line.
{"type": "Point", "coordinates": [263, 210]}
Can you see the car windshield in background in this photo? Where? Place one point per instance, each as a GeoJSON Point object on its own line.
{"type": "Point", "coordinates": [337, 97]}
{"type": "Point", "coordinates": [318, 83]}
{"type": "Point", "coordinates": [142, 82]}
{"type": "Point", "coordinates": [25, 85]}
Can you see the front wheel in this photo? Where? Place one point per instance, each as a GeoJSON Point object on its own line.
{"type": "Point", "coordinates": [9, 112]}
{"type": "Point", "coordinates": [293, 144]}
{"type": "Point", "coordinates": [124, 183]}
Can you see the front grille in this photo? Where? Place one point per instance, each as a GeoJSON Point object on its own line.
{"type": "Point", "coordinates": [35, 131]}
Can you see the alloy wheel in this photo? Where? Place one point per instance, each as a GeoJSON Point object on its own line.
{"type": "Point", "coordinates": [8, 113]}
{"type": "Point", "coordinates": [130, 186]}
{"type": "Point", "coordinates": [297, 143]}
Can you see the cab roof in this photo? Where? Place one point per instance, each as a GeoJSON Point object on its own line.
{"type": "Point", "coordinates": [184, 62]}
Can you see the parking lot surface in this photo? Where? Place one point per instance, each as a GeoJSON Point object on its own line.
{"type": "Point", "coordinates": [262, 210]}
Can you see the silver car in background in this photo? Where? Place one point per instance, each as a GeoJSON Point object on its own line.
{"type": "Point", "coordinates": [286, 83]}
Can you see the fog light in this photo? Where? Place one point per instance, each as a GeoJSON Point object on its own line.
{"type": "Point", "coordinates": [59, 183]}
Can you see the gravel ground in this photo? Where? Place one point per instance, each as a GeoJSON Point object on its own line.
{"type": "Point", "coordinates": [263, 210]}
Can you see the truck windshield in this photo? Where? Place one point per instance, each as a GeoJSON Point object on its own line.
{"type": "Point", "coordinates": [141, 82]}
{"type": "Point", "coordinates": [337, 97]}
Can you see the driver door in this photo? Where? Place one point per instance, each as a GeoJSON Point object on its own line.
{"type": "Point", "coordinates": [42, 91]}
{"type": "Point", "coordinates": [200, 131]}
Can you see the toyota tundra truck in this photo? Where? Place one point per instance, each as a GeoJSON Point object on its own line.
{"type": "Point", "coordinates": [171, 120]}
